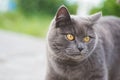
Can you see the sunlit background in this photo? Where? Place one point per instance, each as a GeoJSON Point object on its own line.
{"type": "Point", "coordinates": [23, 27]}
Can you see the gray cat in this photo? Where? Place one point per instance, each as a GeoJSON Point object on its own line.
{"type": "Point", "coordinates": [83, 48]}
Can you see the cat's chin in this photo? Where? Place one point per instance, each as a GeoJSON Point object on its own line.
{"type": "Point", "coordinates": [79, 56]}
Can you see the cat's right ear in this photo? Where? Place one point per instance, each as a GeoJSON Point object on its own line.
{"type": "Point", "coordinates": [95, 17]}
{"type": "Point", "coordinates": [62, 16]}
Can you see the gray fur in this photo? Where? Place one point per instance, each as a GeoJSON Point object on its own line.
{"type": "Point", "coordinates": [100, 58]}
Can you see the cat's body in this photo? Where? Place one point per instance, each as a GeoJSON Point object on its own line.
{"type": "Point", "coordinates": [99, 59]}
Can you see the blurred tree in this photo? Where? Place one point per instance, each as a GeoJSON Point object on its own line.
{"type": "Point", "coordinates": [109, 7]}
{"type": "Point", "coordinates": [43, 6]}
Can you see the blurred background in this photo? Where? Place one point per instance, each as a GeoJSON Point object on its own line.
{"type": "Point", "coordinates": [23, 27]}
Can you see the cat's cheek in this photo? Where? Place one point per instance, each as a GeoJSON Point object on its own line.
{"type": "Point", "coordinates": [91, 46]}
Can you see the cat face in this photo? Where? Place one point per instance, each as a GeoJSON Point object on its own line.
{"type": "Point", "coordinates": [72, 37]}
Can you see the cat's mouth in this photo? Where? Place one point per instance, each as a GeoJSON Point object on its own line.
{"type": "Point", "coordinates": [72, 53]}
{"type": "Point", "coordinates": [75, 54]}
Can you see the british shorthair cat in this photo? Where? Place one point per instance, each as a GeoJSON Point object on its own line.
{"type": "Point", "coordinates": [83, 48]}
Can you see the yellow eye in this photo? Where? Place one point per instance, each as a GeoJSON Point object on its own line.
{"type": "Point", "coordinates": [86, 39]}
{"type": "Point", "coordinates": [70, 37]}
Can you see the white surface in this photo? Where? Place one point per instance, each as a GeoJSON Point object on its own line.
{"type": "Point", "coordinates": [84, 6]}
{"type": "Point", "coordinates": [4, 5]}
{"type": "Point", "coordinates": [21, 57]}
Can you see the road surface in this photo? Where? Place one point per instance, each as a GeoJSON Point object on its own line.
{"type": "Point", "coordinates": [22, 57]}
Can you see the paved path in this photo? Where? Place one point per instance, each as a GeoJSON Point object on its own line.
{"type": "Point", "coordinates": [22, 57]}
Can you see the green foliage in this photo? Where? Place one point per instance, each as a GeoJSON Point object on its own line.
{"type": "Point", "coordinates": [109, 7]}
{"type": "Point", "coordinates": [36, 26]}
{"type": "Point", "coordinates": [33, 7]}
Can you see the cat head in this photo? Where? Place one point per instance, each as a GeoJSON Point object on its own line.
{"type": "Point", "coordinates": [72, 37]}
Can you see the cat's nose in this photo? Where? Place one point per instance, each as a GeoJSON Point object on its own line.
{"type": "Point", "coordinates": [80, 48]}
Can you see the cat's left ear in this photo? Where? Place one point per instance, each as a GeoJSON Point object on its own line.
{"type": "Point", "coordinates": [62, 15]}
{"type": "Point", "coordinates": [95, 17]}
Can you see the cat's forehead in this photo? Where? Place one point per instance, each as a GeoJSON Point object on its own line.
{"type": "Point", "coordinates": [80, 25]}
{"type": "Point", "coordinates": [80, 21]}
{"type": "Point", "coordinates": [77, 26]}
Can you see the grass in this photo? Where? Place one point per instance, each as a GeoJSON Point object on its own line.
{"type": "Point", "coordinates": [35, 25]}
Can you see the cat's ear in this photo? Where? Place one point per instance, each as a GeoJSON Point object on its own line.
{"type": "Point", "coordinates": [62, 15]}
{"type": "Point", "coordinates": [95, 17]}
